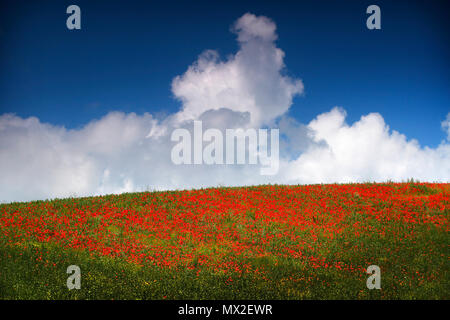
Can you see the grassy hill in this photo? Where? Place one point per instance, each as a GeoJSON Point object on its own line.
{"type": "Point", "coordinates": [265, 242]}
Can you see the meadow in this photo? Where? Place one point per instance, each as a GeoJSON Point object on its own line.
{"type": "Point", "coordinates": [263, 242]}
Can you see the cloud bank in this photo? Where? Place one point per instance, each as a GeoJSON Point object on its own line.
{"type": "Point", "coordinates": [367, 150]}
{"type": "Point", "coordinates": [128, 152]}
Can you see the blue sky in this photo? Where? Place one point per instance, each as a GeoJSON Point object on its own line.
{"type": "Point", "coordinates": [93, 111]}
{"type": "Point", "coordinates": [127, 53]}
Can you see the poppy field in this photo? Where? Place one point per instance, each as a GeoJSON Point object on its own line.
{"type": "Point", "coordinates": [263, 242]}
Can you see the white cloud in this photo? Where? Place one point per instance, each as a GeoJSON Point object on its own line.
{"type": "Point", "coordinates": [365, 151]}
{"type": "Point", "coordinates": [249, 81]}
{"type": "Point", "coordinates": [128, 152]}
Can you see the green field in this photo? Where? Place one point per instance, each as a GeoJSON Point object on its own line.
{"type": "Point", "coordinates": [266, 242]}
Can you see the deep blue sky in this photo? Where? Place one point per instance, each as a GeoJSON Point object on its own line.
{"type": "Point", "coordinates": [127, 53]}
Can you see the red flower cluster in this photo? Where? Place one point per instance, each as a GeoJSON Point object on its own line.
{"type": "Point", "coordinates": [229, 229]}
